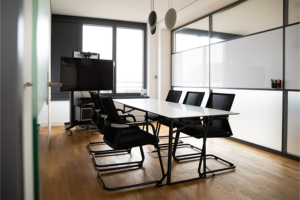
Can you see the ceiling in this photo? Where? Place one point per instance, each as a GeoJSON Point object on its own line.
{"type": "Point", "coordinates": [125, 10]}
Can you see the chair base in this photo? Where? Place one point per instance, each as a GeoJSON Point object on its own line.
{"type": "Point", "coordinates": [105, 151]}
{"type": "Point", "coordinates": [209, 173]}
{"type": "Point", "coordinates": [129, 165]}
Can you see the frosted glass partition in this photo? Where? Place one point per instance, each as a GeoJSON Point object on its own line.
{"type": "Point", "coordinates": [192, 36]}
{"type": "Point", "coordinates": [247, 18]}
{"type": "Point", "coordinates": [294, 11]}
{"type": "Point", "coordinates": [293, 125]}
{"type": "Point", "coordinates": [260, 118]}
{"type": "Point", "coordinates": [249, 62]}
{"type": "Point", "coordinates": [191, 68]}
{"type": "Point", "coordinates": [185, 90]}
{"type": "Point", "coordinates": [292, 57]}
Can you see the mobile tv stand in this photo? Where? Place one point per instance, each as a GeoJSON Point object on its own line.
{"type": "Point", "coordinates": [73, 122]}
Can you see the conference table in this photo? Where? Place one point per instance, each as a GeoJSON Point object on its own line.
{"type": "Point", "coordinates": [176, 111]}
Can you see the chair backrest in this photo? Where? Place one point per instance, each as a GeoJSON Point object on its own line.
{"type": "Point", "coordinates": [193, 98]}
{"type": "Point", "coordinates": [111, 135]}
{"type": "Point", "coordinates": [110, 109]}
{"type": "Point", "coordinates": [221, 102]}
{"type": "Point", "coordinates": [174, 96]}
{"type": "Point", "coordinates": [94, 118]}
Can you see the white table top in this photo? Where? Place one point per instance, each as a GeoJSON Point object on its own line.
{"type": "Point", "coordinates": [172, 110]}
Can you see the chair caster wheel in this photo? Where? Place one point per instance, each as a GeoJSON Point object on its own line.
{"type": "Point", "coordinates": [69, 132]}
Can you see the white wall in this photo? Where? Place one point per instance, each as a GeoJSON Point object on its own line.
{"type": "Point", "coordinates": [60, 111]}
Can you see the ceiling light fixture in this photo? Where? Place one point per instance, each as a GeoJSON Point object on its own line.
{"type": "Point", "coordinates": [171, 17]}
{"type": "Point", "coordinates": [152, 19]}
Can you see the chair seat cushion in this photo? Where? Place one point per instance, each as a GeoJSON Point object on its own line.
{"type": "Point", "coordinates": [167, 121]}
{"type": "Point", "coordinates": [135, 137]}
{"type": "Point", "coordinates": [152, 116]}
{"type": "Point", "coordinates": [212, 132]}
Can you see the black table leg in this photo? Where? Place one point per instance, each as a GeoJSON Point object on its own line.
{"type": "Point", "coordinates": [147, 121]}
{"type": "Point", "coordinates": [204, 145]}
{"type": "Point", "coordinates": [170, 152]}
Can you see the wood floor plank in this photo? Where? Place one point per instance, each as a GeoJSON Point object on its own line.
{"type": "Point", "coordinates": [67, 171]}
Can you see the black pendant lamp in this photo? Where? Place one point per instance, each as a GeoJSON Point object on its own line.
{"type": "Point", "coordinates": [152, 19]}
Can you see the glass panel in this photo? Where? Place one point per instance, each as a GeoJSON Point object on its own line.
{"type": "Point", "coordinates": [253, 16]}
{"type": "Point", "coordinates": [292, 60]}
{"type": "Point", "coordinates": [192, 36]}
{"type": "Point", "coordinates": [248, 62]}
{"type": "Point", "coordinates": [294, 11]}
{"type": "Point", "coordinates": [98, 39]}
{"type": "Point", "coordinates": [186, 89]}
{"type": "Point", "coordinates": [130, 60]}
{"type": "Point", "coordinates": [260, 118]}
{"type": "Point", "coordinates": [191, 68]}
{"type": "Point", "coordinates": [293, 125]}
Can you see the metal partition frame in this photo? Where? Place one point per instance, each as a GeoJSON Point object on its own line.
{"type": "Point", "coordinates": [285, 24]}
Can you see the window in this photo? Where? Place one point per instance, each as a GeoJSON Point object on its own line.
{"type": "Point", "coordinates": [98, 39]}
{"type": "Point", "coordinates": [130, 60]}
{"type": "Point", "coordinates": [125, 44]}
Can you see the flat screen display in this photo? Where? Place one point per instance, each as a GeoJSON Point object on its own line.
{"type": "Point", "coordinates": [80, 74]}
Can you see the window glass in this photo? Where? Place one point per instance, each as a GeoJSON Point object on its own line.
{"type": "Point", "coordinates": [247, 18]}
{"type": "Point", "coordinates": [293, 125]}
{"type": "Point", "coordinates": [192, 36]}
{"type": "Point", "coordinates": [294, 11]}
{"type": "Point", "coordinates": [98, 39]}
{"type": "Point", "coordinates": [130, 60]}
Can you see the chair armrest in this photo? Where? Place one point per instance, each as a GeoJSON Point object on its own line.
{"type": "Point", "coordinates": [128, 115]}
{"type": "Point", "coordinates": [141, 124]}
{"type": "Point", "coordinates": [120, 110]}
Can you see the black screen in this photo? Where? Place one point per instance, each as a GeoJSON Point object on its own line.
{"type": "Point", "coordinates": [80, 74]}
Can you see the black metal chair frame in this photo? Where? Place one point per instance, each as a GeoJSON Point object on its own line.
{"type": "Point", "coordinates": [118, 166]}
{"type": "Point", "coordinates": [200, 155]}
{"type": "Point", "coordinates": [101, 115]}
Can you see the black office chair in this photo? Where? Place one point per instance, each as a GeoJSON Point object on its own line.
{"type": "Point", "coordinates": [218, 127]}
{"type": "Point", "coordinates": [95, 119]}
{"type": "Point", "coordinates": [101, 114]}
{"type": "Point", "coordinates": [120, 135]}
{"type": "Point", "coordinates": [173, 96]}
{"type": "Point", "coordinates": [193, 99]}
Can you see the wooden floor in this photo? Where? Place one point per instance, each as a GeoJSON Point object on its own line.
{"type": "Point", "coordinates": [67, 171]}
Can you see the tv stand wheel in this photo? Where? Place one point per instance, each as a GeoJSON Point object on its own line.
{"type": "Point", "coordinates": [69, 132]}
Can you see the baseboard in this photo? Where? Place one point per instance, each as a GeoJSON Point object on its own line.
{"type": "Point", "coordinates": [45, 124]}
{"type": "Point", "coordinates": [290, 156]}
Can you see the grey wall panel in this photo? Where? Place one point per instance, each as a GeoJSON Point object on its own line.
{"type": "Point", "coordinates": [11, 102]}
{"type": "Point", "coordinates": [249, 62]}
{"type": "Point", "coordinates": [292, 57]}
{"type": "Point", "coordinates": [64, 40]}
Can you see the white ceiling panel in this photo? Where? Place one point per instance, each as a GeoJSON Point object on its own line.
{"type": "Point", "coordinates": [125, 10]}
